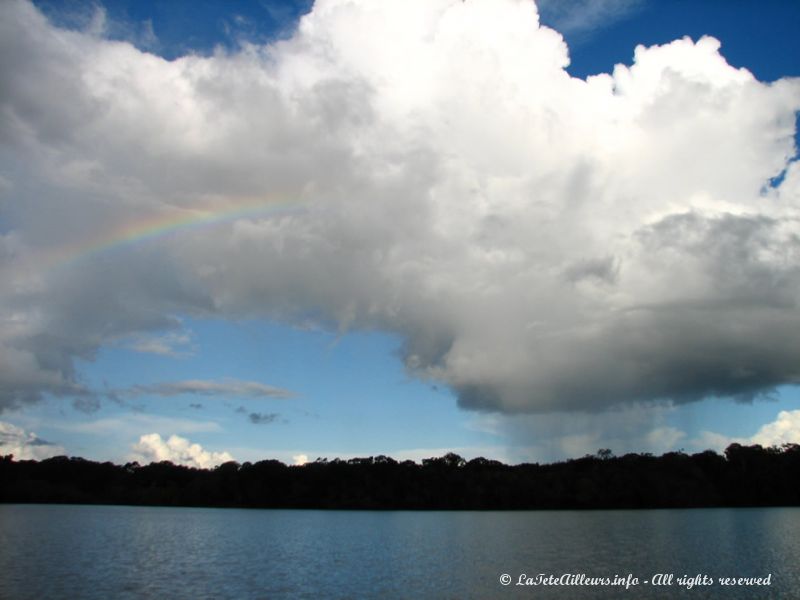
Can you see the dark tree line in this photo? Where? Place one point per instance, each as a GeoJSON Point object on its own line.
{"type": "Point", "coordinates": [744, 476]}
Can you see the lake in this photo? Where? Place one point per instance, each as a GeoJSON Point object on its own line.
{"type": "Point", "coordinates": [105, 552]}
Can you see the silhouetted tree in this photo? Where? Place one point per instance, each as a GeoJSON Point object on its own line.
{"type": "Point", "coordinates": [744, 476]}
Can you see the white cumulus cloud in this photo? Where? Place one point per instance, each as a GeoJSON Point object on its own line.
{"type": "Point", "coordinates": [152, 448]}
{"type": "Point", "coordinates": [25, 445]}
{"type": "Point", "coordinates": [785, 429]}
{"type": "Point", "coordinates": [426, 167]}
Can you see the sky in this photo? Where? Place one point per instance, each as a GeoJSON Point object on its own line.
{"type": "Point", "coordinates": [274, 229]}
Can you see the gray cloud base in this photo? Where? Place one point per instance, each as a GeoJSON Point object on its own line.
{"type": "Point", "coordinates": [542, 243]}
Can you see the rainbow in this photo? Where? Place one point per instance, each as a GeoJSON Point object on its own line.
{"type": "Point", "coordinates": [160, 224]}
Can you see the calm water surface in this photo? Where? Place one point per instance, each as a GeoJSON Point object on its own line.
{"type": "Point", "coordinates": [104, 552]}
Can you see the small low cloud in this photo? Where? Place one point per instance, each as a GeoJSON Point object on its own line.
{"type": "Point", "coordinates": [152, 448]}
{"type": "Point", "coordinates": [25, 445]}
{"type": "Point", "coordinates": [257, 418]}
{"type": "Point", "coordinates": [211, 388]}
{"type": "Point", "coordinates": [262, 418]}
{"type": "Point", "coordinates": [300, 459]}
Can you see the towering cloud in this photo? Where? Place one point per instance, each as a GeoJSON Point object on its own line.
{"type": "Point", "coordinates": [426, 167]}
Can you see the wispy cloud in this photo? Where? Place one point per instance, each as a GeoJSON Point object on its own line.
{"type": "Point", "coordinates": [174, 344]}
{"type": "Point", "coordinates": [225, 388]}
{"type": "Point", "coordinates": [134, 424]}
{"type": "Point", "coordinates": [585, 16]}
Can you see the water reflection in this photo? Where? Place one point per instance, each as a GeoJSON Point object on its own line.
{"type": "Point", "coordinates": [144, 552]}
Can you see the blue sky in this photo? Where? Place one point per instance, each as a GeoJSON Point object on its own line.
{"type": "Point", "coordinates": [174, 355]}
